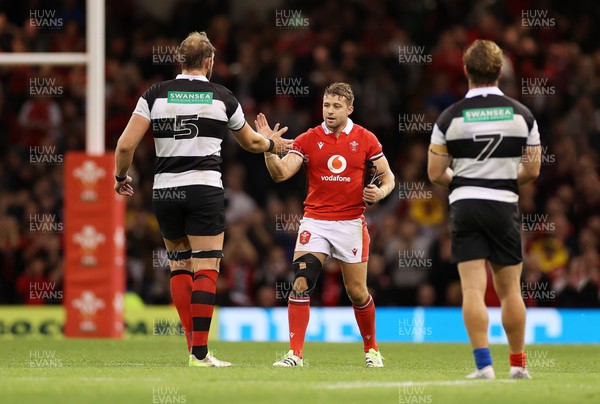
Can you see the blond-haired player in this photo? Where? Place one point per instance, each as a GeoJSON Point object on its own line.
{"type": "Point", "coordinates": [335, 155]}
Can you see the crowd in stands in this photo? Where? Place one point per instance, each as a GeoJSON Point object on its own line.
{"type": "Point", "coordinates": [554, 70]}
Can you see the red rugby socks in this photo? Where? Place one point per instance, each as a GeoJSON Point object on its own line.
{"type": "Point", "coordinates": [202, 307]}
{"type": "Point", "coordinates": [298, 316]}
{"type": "Point", "coordinates": [365, 318]}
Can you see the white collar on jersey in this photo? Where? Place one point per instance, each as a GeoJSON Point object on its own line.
{"type": "Point", "coordinates": [477, 91]}
{"type": "Point", "coordinates": [191, 77]}
{"type": "Point", "coordinates": [347, 128]}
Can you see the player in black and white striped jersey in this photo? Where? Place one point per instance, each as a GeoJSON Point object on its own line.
{"type": "Point", "coordinates": [482, 148]}
{"type": "Point", "coordinates": [190, 117]}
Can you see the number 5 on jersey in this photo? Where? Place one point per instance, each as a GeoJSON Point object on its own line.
{"type": "Point", "coordinates": [186, 127]}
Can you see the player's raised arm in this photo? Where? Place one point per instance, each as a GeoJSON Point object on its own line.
{"type": "Point", "coordinates": [280, 168]}
{"type": "Point", "coordinates": [256, 143]}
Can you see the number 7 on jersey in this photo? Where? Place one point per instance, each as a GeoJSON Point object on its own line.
{"type": "Point", "coordinates": [493, 140]}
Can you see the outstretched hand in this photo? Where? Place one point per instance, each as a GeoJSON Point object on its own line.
{"type": "Point", "coordinates": [282, 145]}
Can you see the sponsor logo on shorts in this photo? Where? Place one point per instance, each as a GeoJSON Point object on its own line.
{"type": "Point", "coordinates": [304, 237]}
{"type": "Point", "coordinates": [354, 251]}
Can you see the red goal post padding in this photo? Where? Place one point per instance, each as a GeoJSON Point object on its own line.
{"type": "Point", "coordinates": [94, 245]}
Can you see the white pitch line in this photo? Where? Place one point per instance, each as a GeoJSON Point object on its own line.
{"type": "Point", "coordinates": [365, 385]}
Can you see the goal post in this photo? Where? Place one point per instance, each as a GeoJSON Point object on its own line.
{"type": "Point", "coordinates": [94, 235]}
{"type": "Point", "coordinates": [95, 86]}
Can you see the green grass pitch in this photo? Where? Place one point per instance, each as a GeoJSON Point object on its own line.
{"type": "Point", "coordinates": [154, 370]}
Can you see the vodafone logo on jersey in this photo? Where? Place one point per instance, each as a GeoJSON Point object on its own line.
{"type": "Point", "coordinates": [336, 164]}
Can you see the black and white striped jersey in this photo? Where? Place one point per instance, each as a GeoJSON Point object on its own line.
{"type": "Point", "coordinates": [190, 117]}
{"type": "Point", "coordinates": [486, 134]}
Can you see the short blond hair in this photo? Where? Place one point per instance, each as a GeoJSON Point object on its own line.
{"type": "Point", "coordinates": [483, 61]}
{"type": "Point", "coordinates": [341, 89]}
{"type": "Point", "coordinates": [194, 50]}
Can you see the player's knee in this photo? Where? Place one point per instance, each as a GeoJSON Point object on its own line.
{"type": "Point", "coordinates": [474, 291]}
{"type": "Point", "coordinates": [357, 292]}
{"type": "Point", "coordinates": [509, 294]}
{"type": "Point", "coordinates": [306, 273]}
{"type": "Point", "coordinates": [206, 259]}
{"type": "Point", "coordinates": [300, 285]}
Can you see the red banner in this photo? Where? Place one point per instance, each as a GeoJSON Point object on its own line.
{"type": "Point", "coordinates": [94, 245]}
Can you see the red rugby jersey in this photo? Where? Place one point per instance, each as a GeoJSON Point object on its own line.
{"type": "Point", "coordinates": [335, 170]}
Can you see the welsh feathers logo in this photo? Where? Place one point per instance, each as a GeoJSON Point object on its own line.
{"type": "Point", "coordinates": [336, 164]}
{"type": "Point", "coordinates": [304, 237]}
{"type": "Point", "coordinates": [89, 173]}
{"type": "Point", "coordinates": [88, 239]}
{"type": "Point", "coordinates": [88, 305]}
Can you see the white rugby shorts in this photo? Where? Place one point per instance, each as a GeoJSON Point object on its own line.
{"type": "Point", "coordinates": [345, 240]}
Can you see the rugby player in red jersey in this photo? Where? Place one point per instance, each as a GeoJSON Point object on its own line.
{"type": "Point", "coordinates": [335, 155]}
